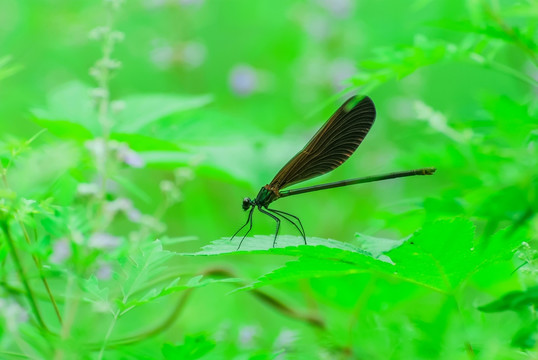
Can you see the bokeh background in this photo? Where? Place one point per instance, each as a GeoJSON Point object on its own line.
{"type": "Point", "coordinates": [160, 116]}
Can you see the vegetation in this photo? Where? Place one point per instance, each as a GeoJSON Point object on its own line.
{"type": "Point", "coordinates": [131, 131]}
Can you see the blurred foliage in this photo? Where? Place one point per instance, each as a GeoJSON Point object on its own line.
{"type": "Point", "coordinates": [131, 130]}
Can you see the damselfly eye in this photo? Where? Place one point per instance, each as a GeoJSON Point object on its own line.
{"type": "Point", "coordinates": [246, 203]}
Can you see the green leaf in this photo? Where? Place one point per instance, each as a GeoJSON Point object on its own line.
{"type": "Point", "coordinates": [63, 128]}
{"type": "Point", "coordinates": [321, 257]}
{"type": "Point", "coordinates": [514, 300]}
{"type": "Point", "coordinates": [193, 347]}
{"type": "Point", "coordinates": [308, 267]}
{"type": "Point", "coordinates": [70, 112]}
{"type": "Point", "coordinates": [98, 296]}
{"type": "Point", "coordinates": [139, 142]}
{"type": "Point", "coordinates": [173, 287]}
{"type": "Point", "coordinates": [377, 246]}
{"type": "Point", "coordinates": [525, 337]}
{"type": "Point", "coordinates": [441, 256]}
{"type": "Point", "coordinates": [285, 245]}
{"type": "Point", "coordinates": [148, 262]}
{"type": "Point", "coordinates": [142, 110]}
{"type": "Point", "coordinates": [510, 35]}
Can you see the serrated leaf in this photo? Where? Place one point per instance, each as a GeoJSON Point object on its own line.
{"type": "Point", "coordinates": [321, 257]}
{"type": "Point", "coordinates": [174, 287]}
{"type": "Point", "coordinates": [308, 268]}
{"type": "Point", "coordinates": [148, 261]}
{"type": "Point", "coordinates": [511, 35]}
{"type": "Point", "coordinates": [285, 245]}
{"type": "Point", "coordinates": [97, 295]}
{"type": "Point", "coordinates": [377, 246]}
{"type": "Point", "coordinates": [441, 256]}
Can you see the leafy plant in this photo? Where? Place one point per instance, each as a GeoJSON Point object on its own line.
{"type": "Point", "coordinates": [115, 172]}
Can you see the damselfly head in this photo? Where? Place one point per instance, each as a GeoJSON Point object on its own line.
{"type": "Point", "coordinates": [247, 203]}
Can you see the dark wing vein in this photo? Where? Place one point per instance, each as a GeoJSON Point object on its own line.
{"type": "Point", "coordinates": [331, 146]}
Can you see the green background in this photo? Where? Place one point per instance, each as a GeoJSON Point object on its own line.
{"type": "Point", "coordinates": [211, 98]}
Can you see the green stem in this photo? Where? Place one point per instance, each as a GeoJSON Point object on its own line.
{"type": "Point", "coordinates": [22, 275]}
{"type": "Point", "coordinates": [509, 71]}
{"type": "Point", "coordinates": [41, 276]}
{"type": "Point", "coordinates": [107, 335]}
{"type": "Point", "coordinates": [511, 34]}
{"type": "Point", "coordinates": [27, 237]}
{"type": "Point", "coordinates": [276, 304]}
{"type": "Point", "coordinates": [103, 111]}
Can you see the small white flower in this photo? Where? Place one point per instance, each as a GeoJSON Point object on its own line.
{"type": "Point", "coordinates": [339, 8]}
{"type": "Point", "coordinates": [86, 189]}
{"type": "Point", "coordinates": [117, 106]}
{"type": "Point", "coordinates": [111, 64]}
{"type": "Point", "coordinates": [162, 56]}
{"type": "Point", "coordinates": [167, 186]}
{"type": "Point", "coordinates": [243, 80]}
{"type": "Point", "coordinates": [98, 32]}
{"type": "Point", "coordinates": [97, 148]}
{"type": "Point", "coordinates": [317, 26]}
{"type": "Point", "coordinates": [130, 157]}
{"type": "Point", "coordinates": [341, 70]}
{"type": "Point", "coordinates": [99, 93]}
{"type": "Point", "coordinates": [285, 339]}
{"type": "Point", "coordinates": [115, 3]}
{"type": "Point", "coordinates": [13, 314]}
{"type": "Point", "coordinates": [117, 36]}
{"type": "Point", "coordinates": [191, 2]}
{"type": "Point", "coordinates": [184, 173]}
{"type": "Point", "coordinates": [95, 72]}
{"type": "Point", "coordinates": [154, 3]}
{"type": "Point", "coordinates": [134, 215]}
{"type": "Point", "coordinates": [61, 250]}
{"type": "Point", "coordinates": [194, 54]}
{"type": "Point", "coordinates": [247, 335]}
{"type": "Point", "coordinates": [117, 205]}
{"type": "Point", "coordinates": [123, 205]}
{"type": "Point", "coordinates": [104, 271]}
{"type": "Point", "coordinates": [104, 241]}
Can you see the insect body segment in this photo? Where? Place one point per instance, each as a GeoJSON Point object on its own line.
{"type": "Point", "coordinates": [329, 148]}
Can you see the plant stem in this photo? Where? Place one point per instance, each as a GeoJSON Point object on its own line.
{"type": "Point", "coordinates": [278, 305]}
{"type": "Point", "coordinates": [27, 237]}
{"type": "Point", "coordinates": [511, 33]}
{"type": "Point", "coordinates": [104, 104]}
{"type": "Point", "coordinates": [22, 275]}
{"type": "Point", "coordinates": [107, 335]}
{"type": "Point", "coordinates": [41, 276]}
